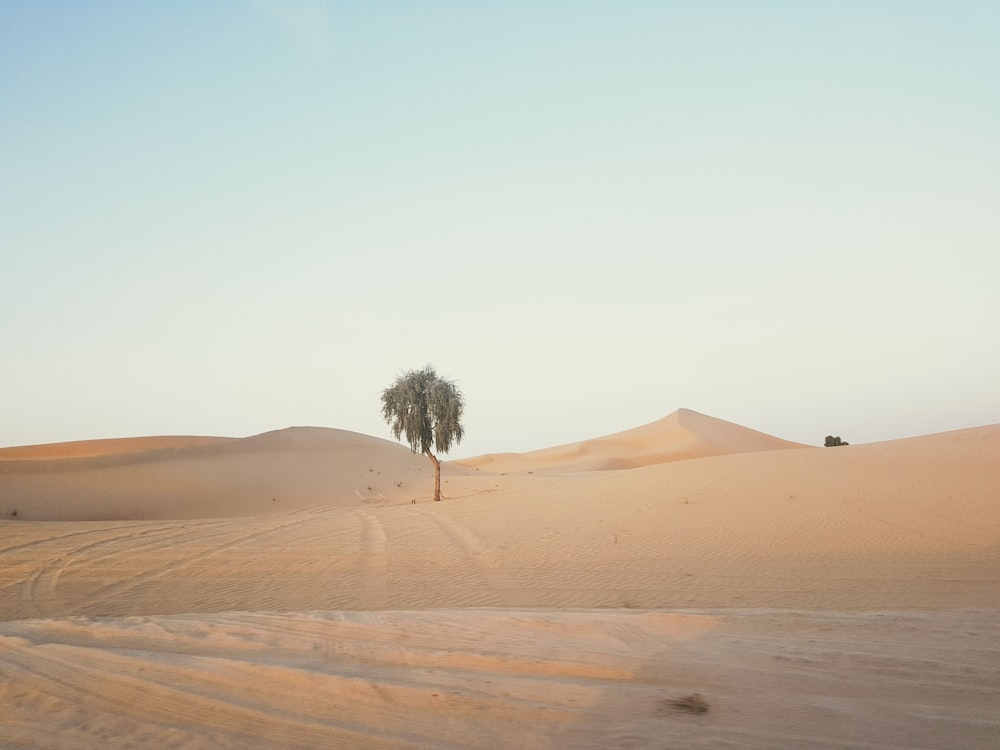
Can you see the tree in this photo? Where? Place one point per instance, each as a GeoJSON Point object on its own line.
{"type": "Point", "coordinates": [428, 409]}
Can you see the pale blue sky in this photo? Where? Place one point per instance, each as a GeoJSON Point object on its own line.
{"type": "Point", "coordinates": [223, 218]}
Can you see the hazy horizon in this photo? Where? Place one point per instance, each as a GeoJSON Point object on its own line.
{"type": "Point", "coordinates": [231, 218]}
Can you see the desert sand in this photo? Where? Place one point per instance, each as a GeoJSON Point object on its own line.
{"type": "Point", "coordinates": [298, 589]}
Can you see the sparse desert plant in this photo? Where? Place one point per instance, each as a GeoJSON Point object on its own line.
{"type": "Point", "coordinates": [693, 704]}
{"type": "Point", "coordinates": [833, 441]}
{"type": "Point", "coordinates": [428, 410]}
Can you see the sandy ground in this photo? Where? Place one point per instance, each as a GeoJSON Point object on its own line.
{"type": "Point", "coordinates": [297, 589]}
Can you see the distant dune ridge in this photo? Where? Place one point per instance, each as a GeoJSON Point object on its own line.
{"type": "Point", "coordinates": [298, 589]}
{"type": "Point", "coordinates": [203, 477]}
{"type": "Point", "coordinates": [110, 446]}
{"type": "Point", "coordinates": [678, 436]}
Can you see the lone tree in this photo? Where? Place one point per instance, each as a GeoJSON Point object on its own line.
{"type": "Point", "coordinates": [428, 409]}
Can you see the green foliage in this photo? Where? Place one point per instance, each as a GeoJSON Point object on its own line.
{"type": "Point", "coordinates": [426, 408]}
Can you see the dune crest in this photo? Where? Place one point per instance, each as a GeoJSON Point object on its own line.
{"type": "Point", "coordinates": [106, 447]}
{"type": "Point", "coordinates": [680, 435]}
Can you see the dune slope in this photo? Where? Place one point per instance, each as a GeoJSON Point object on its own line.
{"type": "Point", "coordinates": [175, 478]}
{"type": "Point", "coordinates": [494, 678]}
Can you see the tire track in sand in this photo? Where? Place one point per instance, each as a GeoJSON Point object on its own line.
{"type": "Point", "coordinates": [40, 585]}
{"type": "Point", "coordinates": [238, 540]}
{"type": "Point", "coordinates": [372, 592]}
{"type": "Point", "coordinates": [48, 540]}
{"type": "Point", "coordinates": [482, 559]}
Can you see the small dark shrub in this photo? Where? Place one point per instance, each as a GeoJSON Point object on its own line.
{"type": "Point", "coordinates": [833, 442]}
{"type": "Point", "coordinates": [693, 704]}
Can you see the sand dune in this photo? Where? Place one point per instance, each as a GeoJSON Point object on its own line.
{"type": "Point", "coordinates": [175, 478]}
{"type": "Point", "coordinates": [284, 590]}
{"type": "Point", "coordinates": [681, 435]}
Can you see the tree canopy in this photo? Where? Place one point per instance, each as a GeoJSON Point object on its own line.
{"type": "Point", "coordinates": [427, 409]}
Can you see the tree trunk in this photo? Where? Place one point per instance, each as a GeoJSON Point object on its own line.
{"type": "Point", "coordinates": [437, 475]}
